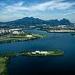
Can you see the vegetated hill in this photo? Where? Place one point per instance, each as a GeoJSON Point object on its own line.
{"type": "Point", "coordinates": [34, 21]}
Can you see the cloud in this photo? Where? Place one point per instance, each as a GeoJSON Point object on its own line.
{"type": "Point", "coordinates": [70, 13]}
{"type": "Point", "coordinates": [15, 7]}
{"type": "Point", "coordinates": [50, 5]}
{"type": "Point", "coordinates": [20, 9]}
{"type": "Point", "coordinates": [70, 16]}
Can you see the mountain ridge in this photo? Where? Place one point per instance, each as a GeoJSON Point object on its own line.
{"type": "Point", "coordinates": [34, 21]}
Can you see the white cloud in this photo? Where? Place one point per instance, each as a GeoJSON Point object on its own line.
{"type": "Point", "coordinates": [15, 7]}
{"type": "Point", "coordinates": [70, 16]}
{"type": "Point", "coordinates": [51, 5]}
{"type": "Point", "coordinates": [69, 13]}
{"type": "Point", "coordinates": [20, 9]}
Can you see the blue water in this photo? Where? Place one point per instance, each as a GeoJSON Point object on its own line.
{"type": "Point", "coordinates": [25, 65]}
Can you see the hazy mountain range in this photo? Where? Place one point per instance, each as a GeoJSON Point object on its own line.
{"type": "Point", "coordinates": [34, 21]}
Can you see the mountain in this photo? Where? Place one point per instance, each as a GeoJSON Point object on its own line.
{"type": "Point", "coordinates": [53, 22]}
{"type": "Point", "coordinates": [34, 21]}
{"type": "Point", "coordinates": [26, 21]}
{"type": "Point", "coordinates": [65, 21]}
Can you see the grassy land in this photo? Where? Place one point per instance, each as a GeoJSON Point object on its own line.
{"type": "Point", "coordinates": [30, 53]}
{"type": "Point", "coordinates": [17, 38]}
{"type": "Point", "coordinates": [49, 53]}
{"type": "Point", "coordinates": [3, 65]}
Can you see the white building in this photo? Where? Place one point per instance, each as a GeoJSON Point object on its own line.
{"type": "Point", "coordinates": [61, 26]}
{"type": "Point", "coordinates": [15, 29]}
{"type": "Point", "coordinates": [29, 36]}
{"type": "Point", "coordinates": [4, 31]}
{"type": "Point", "coordinates": [40, 52]}
{"type": "Point", "coordinates": [15, 32]}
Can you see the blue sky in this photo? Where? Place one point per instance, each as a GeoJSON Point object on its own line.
{"type": "Point", "coordinates": [43, 9]}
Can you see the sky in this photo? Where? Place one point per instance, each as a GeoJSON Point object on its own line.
{"type": "Point", "coordinates": [43, 9]}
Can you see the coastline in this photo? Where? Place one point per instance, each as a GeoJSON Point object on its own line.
{"type": "Point", "coordinates": [3, 65]}
{"type": "Point", "coordinates": [7, 56]}
{"type": "Point", "coordinates": [61, 31]}
{"type": "Point", "coordinates": [34, 53]}
{"type": "Point", "coordinates": [19, 38]}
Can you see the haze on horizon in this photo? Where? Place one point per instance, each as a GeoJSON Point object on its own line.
{"type": "Point", "coordinates": [43, 9]}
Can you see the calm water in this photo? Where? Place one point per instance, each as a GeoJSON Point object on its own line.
{"type": "Point", "coordinates": [31, 65]}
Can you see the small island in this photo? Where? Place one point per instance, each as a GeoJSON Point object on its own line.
{"type": "Point", "coordinates": [44, 53]}
{"type": "Point", "coordinates": [34, 53]}
{"type": "Point", "coordinates": [4, 58]}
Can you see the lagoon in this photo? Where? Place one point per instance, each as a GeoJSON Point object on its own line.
{"type": "Point", "coordinates": [24, 65]}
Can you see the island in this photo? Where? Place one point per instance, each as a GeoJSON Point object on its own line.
{"type": "Point", "coordinates": [35, 53]}
{"type": "Point", "coordinates": [5, 58]}
{"type": "Point", "coordinates": [44, 53]}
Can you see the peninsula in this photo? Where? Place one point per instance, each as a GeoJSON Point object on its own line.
{"type": "Point", "coordinates": [3, 65]}
{"type": "Point", "coordinates": [16, 35]}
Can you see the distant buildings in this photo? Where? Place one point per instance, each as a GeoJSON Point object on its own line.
{"type": "Point", "coordinates": [40, 52]}
{"type": "Point", "coordinates": [61, 26]}
{"type": "Point", "coordinates": [15, 32]}
{"type": "Point", "coordinates": [10, 31]}
{"type": "Point", "coordinates": [29, 36]}
{"type": "Point", "coordinates": [49, 28]}
{"type": "Point", "coordinates": [4, 31]}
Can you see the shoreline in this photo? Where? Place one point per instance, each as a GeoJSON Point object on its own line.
{"type": "Point", "coordinates": [34, 53]}
{"type": "Point", "coordinates": [19, 38]}
{"type": "Point", "coordinates": [5, 58]}
{"type": "Point", "coordinates": [3, 65]}
{"type": "Point", "coordinates": [60, 31]}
